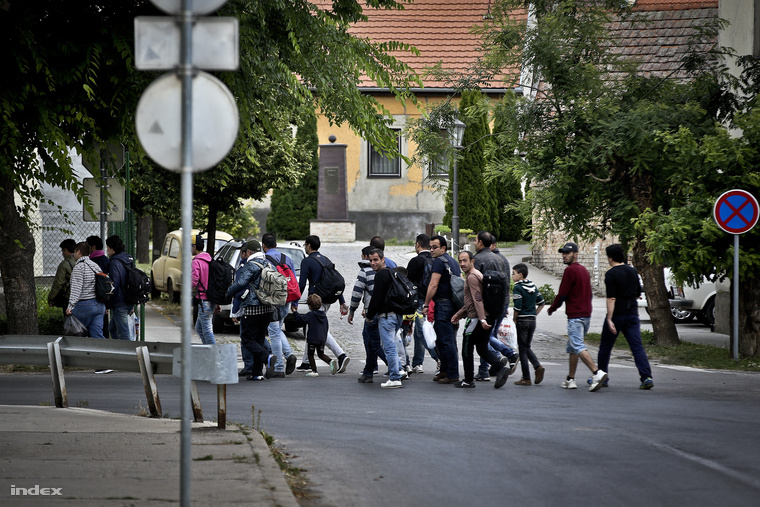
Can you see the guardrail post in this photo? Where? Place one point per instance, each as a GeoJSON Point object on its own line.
{"type": "Point", "coordinates": [56, 370]}
{"type": "Point", "coordinates": [149, 381]}
{"type": "Point", "coordinates": [221, 406]}
{"type": "Point", "coordinates": [196, 402]}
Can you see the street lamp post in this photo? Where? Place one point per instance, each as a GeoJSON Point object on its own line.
{"type": "Point", "coordinates": [456, 143]}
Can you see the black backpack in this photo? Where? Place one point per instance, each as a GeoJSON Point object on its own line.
{"type": "Point", "coordinates": [104, 286]}
{"type": "Point", "coordinates": [495, 289]}
{"type": "Point", "coordinates": [220, 278]}
{"type": "Point", "coordinates": [402, 297]}
{"type": "Point", "coordinates": [136, 290]}
{"type": "Point", "coordinates": [426, 273]}
{"type": "Point", "coordinates": [331, 284]}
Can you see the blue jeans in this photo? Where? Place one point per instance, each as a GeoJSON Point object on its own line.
{"type": "Point", "coordinates": [446, 343]}
{"type": "Point", "coordinates": [118, 326]}
{"type": "Point", "coordinates": [372, 347]}
{"type": "Point", "coordinates": [420, 346]}
{"type": "Point", "coordinates": [495, 346]}
{"type": "Point", "coordinates": [203, 325]}
{"type": "Point", "coordinates": [630, 326]}
{"type": "Point", "coordinates": [278, 340]}
{"type": "Point", "coordinates": [388, 324]}
{"type": "Point", "coordinates": [577, 328]}
{"type": "Point", "coordinates": [90, 314]}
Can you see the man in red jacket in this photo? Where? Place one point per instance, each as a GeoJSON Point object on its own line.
{"type": "Point", "coordinates": [575, 292]}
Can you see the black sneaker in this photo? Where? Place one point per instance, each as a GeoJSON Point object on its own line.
{"type": "Point", "coordinates": [482, 378]}
{"type": "Point", "coordinates": [363, 379]}
{"type": "Point", "coordinates": [290, 364]}
{"type": "Point", "coordinates": [304, 367]}
{"type": "Point", "coordinates": [501, 377]}
{"type": "Point", "coordinates": [254, 377]}
{"type": "Point", "coordinates": [269, 371]}
{"type": "Point", "coordinates": [513, 363]}
{"type": "Point", "coordinates": [244, 372]}
{"type": "Point", "coordinates": [465, 385]}
{"type": "Point", "coordinates": [278, 374]}
{"type": "Point", "coordinates": [343, 361]}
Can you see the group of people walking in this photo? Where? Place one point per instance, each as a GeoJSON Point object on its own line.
{"type": "Point", "coordinates": [74, 286]}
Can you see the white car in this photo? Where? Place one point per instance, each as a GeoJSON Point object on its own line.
{"type": "Point", "coordinates": [687, 302]}
{"type": "Point", "coordinates": [230, 252]}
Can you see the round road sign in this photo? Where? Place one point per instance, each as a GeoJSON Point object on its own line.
{"type": "Point", "coordinates": [214, 121]}
{"type": "Point", "coordinates": [736, 211]}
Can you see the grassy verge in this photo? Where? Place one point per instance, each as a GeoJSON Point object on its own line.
{"type": "Point", "coordinates": [685, 354]}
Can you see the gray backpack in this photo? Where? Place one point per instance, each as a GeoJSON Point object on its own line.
{"type": "Point", "coordinates": [272, 288]}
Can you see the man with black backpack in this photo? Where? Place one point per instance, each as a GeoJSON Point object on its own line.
{"type": "Point", "coordinates": [419, 270]}
{"type": "Point", "coordinates": [119, 326]}
{"type": "Point", "coordinates": [324, 280]}
{"type": "Point", "coordinates": [199, 284]}
{"type": "Point", "coordinates": [496, 275]}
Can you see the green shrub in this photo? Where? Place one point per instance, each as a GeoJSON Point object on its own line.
{"type": "Point", "coordinates": [50, 319]}
{"type": "Point", "coordinates": [548, 293]}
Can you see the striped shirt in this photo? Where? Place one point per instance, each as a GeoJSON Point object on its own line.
{"type": "Point", "coordinates": [363, 287]}
{"type": "Point", "coordinates": [83, 281]}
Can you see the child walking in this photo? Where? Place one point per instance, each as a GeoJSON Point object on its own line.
{"type": "Point", "coordinates": [528, 304]}
{"type": "Point", "coordinates": [316, 334]}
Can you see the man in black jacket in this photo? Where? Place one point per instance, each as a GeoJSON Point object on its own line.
{"type": "Point", "coordinates": [388, 322]}
{"type": "Point", "coordinates": [419, 270]}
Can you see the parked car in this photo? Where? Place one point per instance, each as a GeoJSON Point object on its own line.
{"type": "Point", "coordinates": [230, 252]}
{"type": "Point", "coordinates": [166, 272]}
{"type": "Point", "coordinates": [687, 302]}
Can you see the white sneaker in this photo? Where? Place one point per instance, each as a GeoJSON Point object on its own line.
{"type": "Point", "coordinates": [597, 380]}
{"type": "Point", "coordinates": [392, 384]}
{"type": "Point", "coordinates": [312, 374]}
{"type": "Point", "coordinates": [569, 384]}
{"type": "Point", "coordinates": [417, 369]}
{"type": "Point", "coordinates": [404, 374]}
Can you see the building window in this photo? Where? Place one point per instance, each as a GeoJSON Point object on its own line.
{"type": "Point", "coordinates": [438, 169]}
{"type": "Point", "coordinates": [382, 165]}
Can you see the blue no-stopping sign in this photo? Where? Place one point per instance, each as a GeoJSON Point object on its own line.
{"type": "Point", "coordinates": [736, 211]}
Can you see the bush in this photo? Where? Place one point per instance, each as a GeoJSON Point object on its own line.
{"type": "Point", "coordinates": [50, 319]}
{"type": "Point", "coordinates": [548, 293]}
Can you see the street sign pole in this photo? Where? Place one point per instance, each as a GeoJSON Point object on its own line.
{"type": "Point", "coordinates": [186, 74]}
{"type": "Point", "coordinates": [736, 212]}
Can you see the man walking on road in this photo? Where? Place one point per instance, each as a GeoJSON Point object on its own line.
{"type": "Point", "coordinates": [440, 291]}
{"type": "Point", "coordinates": [575, 292]}
{"type": "Point", "coordinates": [122, 312]}
{"type": "Point", "coordinates": [419, 271]}
{"type": "Point", "coordinates": [477, 327]}
{"type": "Point", "coordinates": [388, 322]}
{"type": "Point", "coordinates": [311, 271]}
{"type": "Point", "coordinates": [279, 342]}
{"type": "Point", "coordinates": [623, 288]}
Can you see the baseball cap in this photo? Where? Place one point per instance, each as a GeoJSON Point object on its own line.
{"type": "Point", "coordinates": [569, 247]}
{"type": "Point", "coordinates": [253, 246]}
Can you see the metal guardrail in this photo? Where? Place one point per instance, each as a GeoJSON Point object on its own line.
{"type": "Point", "coordinates": [95, 353]}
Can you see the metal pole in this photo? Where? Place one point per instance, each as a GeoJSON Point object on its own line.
{"type": "Point", "coordinates": [455, 208]}
{"type": "Point", "coordinates": [186, 74]}
{"type": "Point", "coordinates": [735, 285]}
{"type": "Point", "coordinates": [103, 190]}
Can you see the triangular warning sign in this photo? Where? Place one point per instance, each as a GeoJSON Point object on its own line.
{"type": "Point", "coordinates": [155, 128]}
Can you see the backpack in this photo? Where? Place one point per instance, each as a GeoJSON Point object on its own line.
{"type": "Point", "coordinates": [273, 286]}
{"type": "Point", "coordinates": [495, 287]}
{"type": "Point", "coordinates": [220, 278]}
{"type": "Point", "coordinates": [426, 273]}
{"type": "Point", "coordinates": [457, 289]}
{"type": "Point", "coordinates": [331, 284]}
{"type": "Point", "coordinates": [294, 290]}
{"type": "Point", "coordinates": [402, 297]}
{"type": "Point", "coordinates": [104, 286]}
{"type": "Point", "coordinates": [136, 290]}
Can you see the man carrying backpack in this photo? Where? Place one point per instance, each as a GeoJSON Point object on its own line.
{"type": "Point", "coordinates": [199, 284]}
{"type": "Point", "coordinates": [122, 312]}
{"type": "Point", "coordinates": [419, 270]}
{"type": "Point", "coordinates": [279, 342]}
{"type": "Point", "coordinates": [312, 268]}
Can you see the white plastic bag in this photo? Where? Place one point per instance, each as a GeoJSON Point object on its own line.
{"type": "Point", "coordinates": [507, 332]}
{"type": "Point", "coordinates": [429, 333]}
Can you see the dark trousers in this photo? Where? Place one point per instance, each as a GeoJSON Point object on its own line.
{"type": "Point", "coordinates": [319, 350]}
{"type": "Point", "coordinates": [478, 340]}
{"type": "Point", "coordinates": [525, 329]}
{"type": "Point", "coordinates": [372, 347]}
{"type": "Point", "coordinates": [446, 343]}
{"type": "Point", "coordinates": [630, 326]}
{"type": "Point", "coordinates": [253, 332]}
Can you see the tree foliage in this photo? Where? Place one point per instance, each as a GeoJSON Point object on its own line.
{"type": "Point", "coordinates": [292, 207]}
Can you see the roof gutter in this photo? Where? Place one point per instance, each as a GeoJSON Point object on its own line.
{"type": "Point", "coordinates": [489, 91]}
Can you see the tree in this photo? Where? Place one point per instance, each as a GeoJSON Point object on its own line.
{"type": "Point", "coordinates": [293, 207]}
{"type": "Point", "coordinates": [476, 206]}
{"type": "Point", "coordinates": [69, 76]}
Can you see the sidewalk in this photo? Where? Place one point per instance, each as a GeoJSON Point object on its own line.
{"type": "Point", "coordinates": [98, 458]}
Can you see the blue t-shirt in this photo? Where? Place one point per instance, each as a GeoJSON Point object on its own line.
{"type": "Point", "coordinates": [441, 265]}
